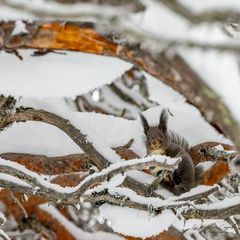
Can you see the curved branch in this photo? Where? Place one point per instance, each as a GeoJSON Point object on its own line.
{"type": "Point", "coordinates": [25, 114]}
{"type": "Point", "coordinates": [42, 164]}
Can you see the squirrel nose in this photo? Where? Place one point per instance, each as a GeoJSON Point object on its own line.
{"type": "Point", "coordinates": [155, 143]}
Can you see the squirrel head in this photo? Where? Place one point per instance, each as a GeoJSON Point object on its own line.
{"type": "Point", "coordinates": [157, 137]}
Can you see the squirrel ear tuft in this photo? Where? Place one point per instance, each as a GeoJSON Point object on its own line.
{"type": "Point", "coordinates": [144, 123]}
{"type": "Point", "coordinates": [163, 121]}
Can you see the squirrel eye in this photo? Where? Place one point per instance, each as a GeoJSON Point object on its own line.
{"type": "Point", "coordinates": [152, 167]}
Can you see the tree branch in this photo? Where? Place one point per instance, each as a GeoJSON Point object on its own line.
{"type": "Point", "coordinates": [199, 195]}
{"type": "Point", "coordinates": [62, 164]}
{"type": "Point", "coordinates": [92, 38]}
{"type": "Point", "coordinates": [135, 164]}
{"type": "Point", "coordinates": [214, 211]}
{"type": "Point", "coordinates": [25, 114]}
{"type": "Point", "coordinates": [160, 43]}
{"type": "Point", "coordinates": [126, 202]}
{"type": "Point", "coordinates": [206, 16]}
{"type": "Point", "coordinates": [57, 194]}
{"type": "Point", "coordinates": [57, 9]}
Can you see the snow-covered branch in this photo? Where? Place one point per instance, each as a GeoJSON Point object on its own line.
{"type": "Point", "coordinates": [222, 16]}
{"type": "Point", "coordinates": [30, 182]}
{"type": "Point", "coordinates": [18, 178]}
{"type": "Point", "coordinates": [26, 114]}
{"type": "Point", "coordinates": [3, 235]}
{"type": "Point", "coordinates": [125, 201]}
{"type": "Point", "coordinates": [219, 210]}
{"type": "Point", "coordinates": [81, 8]}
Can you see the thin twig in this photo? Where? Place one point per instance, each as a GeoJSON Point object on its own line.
{"type": "Point", "coordinates": [19, 204]}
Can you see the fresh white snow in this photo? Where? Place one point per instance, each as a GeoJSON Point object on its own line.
{"type": "Point", "coordinates": [20, 28]}
{"type": "Point", "coordinates": [206, 5]}
{"type": "Point", "coordinates": [220, 71]}
{"type": "Point", "coordinates": [130, 222]}
{"type": "Point", "coordinates": [57, 75]}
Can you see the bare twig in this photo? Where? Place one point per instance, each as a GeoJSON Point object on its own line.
{"type": "Point", "coordinates": [3, 235]}
{"type": "Point", "coordinates": [234, 225]}
{"type": "Point", "coordinates": [19, 204]}
{"type": "Point", "coordinates": [139, 188]}
{"type": "Point", "coordinates": [133, 5]}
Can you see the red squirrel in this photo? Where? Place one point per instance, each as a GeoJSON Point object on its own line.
{"type": "Point", "coordinates": [160, 141]}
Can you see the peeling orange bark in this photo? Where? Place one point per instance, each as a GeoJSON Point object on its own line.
{"type": "Point", "coordinates": [12, 208]}
{"type": "Point", "coordinates": [59, 36]}
{"type": "Point", "coordinates": [73, 37]}
{"type": "Point", "coordinates": [50, 165]}
{"type": "Point", "coordinates": [34, 212]}
{"type": "Point", "coordinates": [49, 221]}
{"type": "Point", "coordinates": [62, 164]}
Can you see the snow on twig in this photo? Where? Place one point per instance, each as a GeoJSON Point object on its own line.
{"type": "Point", "coordinates": [40, 184]}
